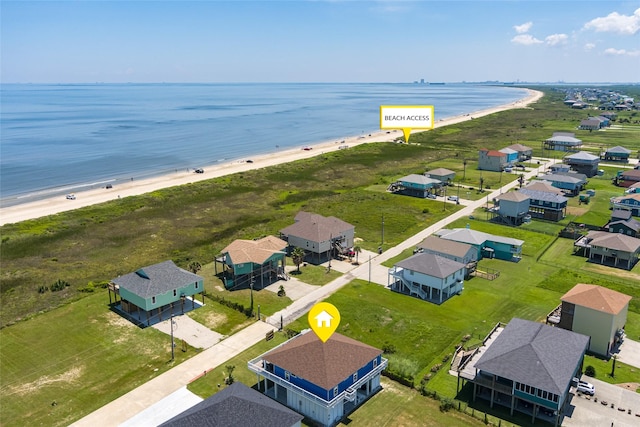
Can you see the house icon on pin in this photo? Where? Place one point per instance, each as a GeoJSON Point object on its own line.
{"type": "Point", "coordinates": [324, 319]}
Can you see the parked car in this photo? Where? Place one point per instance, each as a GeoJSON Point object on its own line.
{"type": "Point", "coordinates": [307, 148]}
{"type": "Point", "coordinates": [453, 198]}
{"type": "Point", "coordinates": [431, 196]}
{"type": "Point", "coordinates": [199, 170]}
{"type": "Point", "coordinates": [586, 388]}
{"type": "Point", "coordinates": [109, 186]}
{"type": "Point", "coordinates": [249, 161]}
{"type": "Point", "coordinates": [71, 196]}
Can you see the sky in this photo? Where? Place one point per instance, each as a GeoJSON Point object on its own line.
{"type": "Point", "coordinates": [319, 41]}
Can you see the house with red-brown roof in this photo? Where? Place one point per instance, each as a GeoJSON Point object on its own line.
{"type": "Point", "coordinates": [491, 160]}
{"type": "Point", "coordinates": [322, 237]}
{"type": "Point", "coordinates": [258, 262]}
{"type": "Point", "coordinates": [595, 311]}
{"type": "Point", "coordinates": [323, 381]}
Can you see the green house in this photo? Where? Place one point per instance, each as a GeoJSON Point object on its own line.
{"type": "Point", "coordinates": [156, 289]}
{"type": "Point", "coordinates": [249, 262]}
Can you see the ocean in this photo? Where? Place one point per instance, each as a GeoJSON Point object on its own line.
{"type": "Point", "coordinates": [57, 138]}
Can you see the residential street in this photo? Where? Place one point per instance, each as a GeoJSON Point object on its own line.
{"type": "Point", "coordinates": [129, 405]}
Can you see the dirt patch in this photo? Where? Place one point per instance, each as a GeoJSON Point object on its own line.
{"type": "Point", "coordinates": [630, 386]}
{"type": "Point", "coordinates": [213, 320]}
{"type": "Point", "coordinates": [116, 320]}
{"type": "Point", "coordinates": [576, 211]}
{"type": "Point", "coordinates": [67, 377]}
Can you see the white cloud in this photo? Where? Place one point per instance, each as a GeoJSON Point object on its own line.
{"type": "Point", "coordinates": [621, 52]}
{"type": "Point", "coordinates": [523, 28]}
{"type": "Point", "coordinates": [556, 39]}
{"type": "Point", "coordinates": [589, 46]}
{"type": "Point", "coordinates": [616, 23]}
{"type": "Point", "coordinates": [525, 39]}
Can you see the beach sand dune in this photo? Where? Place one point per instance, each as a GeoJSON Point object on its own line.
{"type": "Point", "coordinates": [57, 204]}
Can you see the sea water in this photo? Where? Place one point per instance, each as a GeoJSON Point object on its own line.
{"type": "Point", "coordinates": [69, 137]}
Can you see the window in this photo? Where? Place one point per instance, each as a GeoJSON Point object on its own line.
{"type": "Point", "coordinates": [197, 284]}
{"type": "Point", "coordinates": [153, 300]}
{"type": "Point", "coordinates": [335, 391]}
{"type": "Point", "coordinates": [287, 376]}
{"type": "Point", "coordinates": [175, 292]}
{"type": "Point", "coordinates": [355, 377]}
{"type": "Point", "coordinates": [375, 362]}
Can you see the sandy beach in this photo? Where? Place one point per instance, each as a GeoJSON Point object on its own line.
{"type": "Point", "coordinates": [57, 204]}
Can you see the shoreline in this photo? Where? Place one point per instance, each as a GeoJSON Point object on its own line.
{"type": "Point", "coordinates": [58, 203]}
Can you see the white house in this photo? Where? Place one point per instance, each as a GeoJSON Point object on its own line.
{"type": "Point", "coordinates": [427, 276]}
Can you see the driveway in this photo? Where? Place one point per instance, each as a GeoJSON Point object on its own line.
{"type": "Point", "coordinates": [294, 288]}
{"type": "Point", "coordinates": [164, 410]}
{"type": "Point", "coordinates": [587, 411]}
{"type": "Point", "coordinates": [629, 353]}
{"type": "Point", "coordinates": [185, 328]}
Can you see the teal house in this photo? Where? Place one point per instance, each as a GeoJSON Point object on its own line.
{"type": "Point", "coordinates": [253, 262]}
{"type": "Point", "coordinates": [154, 291]}
{"type": "Point", "coordinates": [416, 185]}
{"type": "Point", "coordinates": [487, 245]}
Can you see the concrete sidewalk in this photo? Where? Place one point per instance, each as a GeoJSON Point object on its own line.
{"type": "Point", "coordinates": [148, 394]}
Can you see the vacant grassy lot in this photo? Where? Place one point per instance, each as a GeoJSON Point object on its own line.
{"type": "Point", "coordinates": [72, 350]}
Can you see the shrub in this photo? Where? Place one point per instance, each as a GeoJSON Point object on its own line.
{"type": "Point", "coordinates": [59, 285]}
{"type": "Point", "coordinates": [281, 291]}
{"type": "Point", "coordinates": [446, 357]}
{"type": "Point", "coordinates": [388, 348]}
{"type": "Point", "coordinates": [290, 333]}
{"type": "Point", "coordinates": [425, 210]}
{"type": "Point", "coordinates": [436, 368]}
{"type": "Point", "coordinates": [446, 404]}
{"type": "Point", "coordinates": [42, 289]}
{"type": "Point", "coordinates": [590, 371]}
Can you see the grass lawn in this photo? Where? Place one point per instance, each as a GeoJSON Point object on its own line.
{"type": "Point", "coordinates": [80, 356]}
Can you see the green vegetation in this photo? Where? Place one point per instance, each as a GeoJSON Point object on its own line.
{"type": "Point", "coordinates": [67, 347]}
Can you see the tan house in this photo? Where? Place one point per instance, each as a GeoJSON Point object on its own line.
{"type": "Point", "coordinates": [595, 311]}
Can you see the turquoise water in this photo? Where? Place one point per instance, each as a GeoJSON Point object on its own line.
{"type": "Point", "coordinates": [68, 137]}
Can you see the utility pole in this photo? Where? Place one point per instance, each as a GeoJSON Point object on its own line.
{"type": "Point", "coordinates": [382, 242]}
{"type": "Point", "coordinates": [172, 343]}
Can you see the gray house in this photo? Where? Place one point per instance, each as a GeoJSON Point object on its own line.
{"type": "Point", "coordinates": [512, 207]}
{"type": "Point", "coordinates": [548, 205]}
{"type": "Point", "coordinates": [562, 141]}
{"type": "Point", "coordinates": [237, 405]}
{"type": "Point", "coordinates": [524, 152]}
{"type": "Point", "coordinates": [460, 252]}
{"type": "Point", "coordinates": [583, 162]}
{"type": "Point", "coordinates": [571, 183]}
{"type": "Point", "coordinates": [617, 154]}
{"type": "Point", "coordinates": [322, 237]}
{"type": "Point", "coordinates": [427, 276]}
{"type": "Point", "coordinates": [612, 249]}
{"type": "Point", "coordinates": [446, 176]}
{"type": "Point", "coordinates": [491, 160]}
{"type": "Point", "coordinates": [529, 367]}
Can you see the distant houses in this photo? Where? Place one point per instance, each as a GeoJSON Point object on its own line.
{"type": "Point", "coordinates": [583, 162]}
{"type": "Point", "coordinates": [617, 154]}
{"type": "Point", "coordinates": [562, 141]}
{"type": "Point", "coordinates": [416, 185]}
{"type": "Point", "coordinates": [150, 294]}
{"type": "Point", "coordinates": [322, 381]}
{"type": "Point", "coordinates": [237, 405]}
{"type": "Point", "coordinates": [622, 222]}
{"type": "Point", "coordinates": [628, 178]}
{"type": "Point", "coordinates": [486, 245]}
{"type": "Point", "coordinates": [571, 183]}
{"type": "Point", "coordinates": [528, 367]}
{"type": "Point", "coordinates": [428, 276]}
{"type": "Point", "coordinates": [320, 237]}
{"type": "Point", "coordinates": [597, 312]}
{"type": "Point", "coordinates": [630, 202]}
{"type": "Point", "coordinates": [524, 152]}
{"type": "Point", "coordinates": [491, 160]}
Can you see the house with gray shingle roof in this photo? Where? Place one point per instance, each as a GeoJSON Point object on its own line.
{"type": "Point", "coordinates": [261, 261]}
{"type": "Point", "coordinates": [571, 183]}
{"type": "Point", "coordinates": [237, 405]}
{"type": "Point", "coordinates": [416, 185]}
{"type": "Point", "coordinates": [460, 252]}
{"type": "Point", "coordinates": [322, 381]}
{"type": "Point", "coordinates": [548, 205]}
{"type": "Point", "coordinates": [487, 245]}
{"type": "Point", "coordinates": [612, 249]}
{"type": "Point", "coordinates": [320, 236]}
{"type": "Point", "coordinates": [427, 276]}
{"type": "Point", "coordinates": [529, 364]}
{"type": "Point", "coordinates": [524, 152]}
{"type": "Point", "coordinates": [156, 288]}
{"type": "Point", "coordinates": [512, 207]}
{"type": "Point", "coordinates": [617, 154]}
{"type": "Point", "coordinates": [595, 311]}
{"type": "Point", "coordinates": [441, 174]}
{"type": "Point", "coordinates": [583, 162]}
{"type": "Point", "coordinates": [562, 141]}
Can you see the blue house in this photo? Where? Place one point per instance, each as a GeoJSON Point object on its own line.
{"type": "Point", "coordinates": [572, 183]}
{"type": "Point", "coordinates": [487, 245]}
{"type": "Point", "coordinates": [512, 207]}
{"type": "Point", "coordinates": [583, 162]}
{"type": "Point", "coordinates": [512, 155]}
{"type": "Point", "coordinates": [322, 381]}
{"type": "Point", "coordinates": [416, 185]}
{"type": "Point", "coordinates": [546, 205]}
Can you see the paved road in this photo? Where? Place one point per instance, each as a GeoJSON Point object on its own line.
{"type": "Point", "coordinates": [150, 393]}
